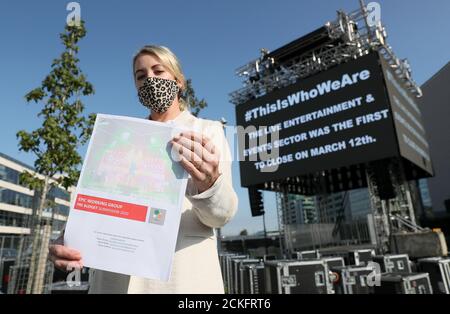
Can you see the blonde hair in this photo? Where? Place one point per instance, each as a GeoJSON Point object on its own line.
{"type": "Point", "coordinates": [170, 62]}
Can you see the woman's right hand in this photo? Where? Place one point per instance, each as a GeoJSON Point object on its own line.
{"type": "Point", "coordinates": [63, 257]}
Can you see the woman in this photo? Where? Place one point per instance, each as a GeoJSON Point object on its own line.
{"type": "Point", "coordinates": [210, 200]}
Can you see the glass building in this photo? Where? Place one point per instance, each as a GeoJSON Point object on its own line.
{"type": "Point", "coordinates": [17, 202]}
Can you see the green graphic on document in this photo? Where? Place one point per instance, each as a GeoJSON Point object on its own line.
{"type": "Point", "coordinates": [132, 159]}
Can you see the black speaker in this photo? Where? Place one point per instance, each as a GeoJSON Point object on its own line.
{"type": "Point", "coordinates": [256, 202]}
{"type": "Point", "coordinates": [383, 180]}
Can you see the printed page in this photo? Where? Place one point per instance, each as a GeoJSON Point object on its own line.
{"type": "Point", "coordinates": [126, 211]}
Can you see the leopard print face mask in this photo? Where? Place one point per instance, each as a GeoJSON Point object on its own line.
{"type": "Point", "coordinates": [157, 93]}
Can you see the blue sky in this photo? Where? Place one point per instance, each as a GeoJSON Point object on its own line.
{"type": "Point", "coordinates": [211, 38]}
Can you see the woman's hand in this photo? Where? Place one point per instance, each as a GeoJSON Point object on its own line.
{"type": "Point", "coordinates": [64, 258]}
{"type": "Point", "coordinates": [199, 157]}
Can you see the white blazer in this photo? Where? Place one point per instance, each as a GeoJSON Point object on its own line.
{"type": "Point", "coordinates": [196, 266]}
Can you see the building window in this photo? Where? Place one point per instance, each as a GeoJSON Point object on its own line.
{"type": "Point", "coordinates": [9, 219]}
{"type": "Point", "coordinates": [15, 198]}
{"type": "Point", "coordinates": [56, 192]}
{"type": "Point", "coordinates": [62, 210]}
{"type": "Point", "coordinates": [9, 175]}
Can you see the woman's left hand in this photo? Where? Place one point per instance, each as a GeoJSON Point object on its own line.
{"type": "Point", "coordinates": [199, 157]}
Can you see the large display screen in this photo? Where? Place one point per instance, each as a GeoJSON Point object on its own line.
{"type": "Point", "coordinates": [337, 118]}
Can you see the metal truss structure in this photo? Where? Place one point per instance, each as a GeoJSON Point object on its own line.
{"type": "Point", "coordinates": [348, 37]}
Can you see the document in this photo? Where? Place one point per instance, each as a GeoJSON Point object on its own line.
{"type": "Point", "coordinates": [125, 214]}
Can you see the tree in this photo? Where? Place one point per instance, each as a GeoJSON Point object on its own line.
{"type": "Point", "coordinates": [243, 232]}
{"type": "Point", "coordinates": [55, 143]}
{"type": "Point", "coordinates": [194, 103]}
